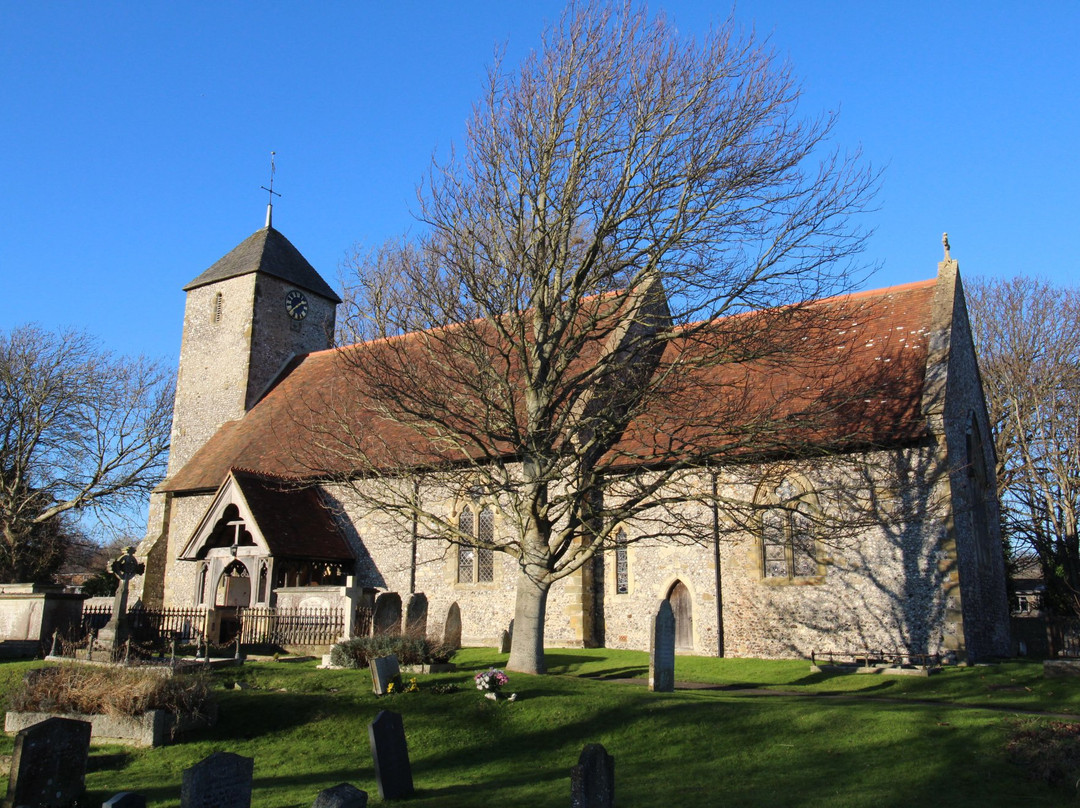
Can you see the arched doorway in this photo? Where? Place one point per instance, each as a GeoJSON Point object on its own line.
{"type": "Point", "coordinates": [233, 593]}
{"type": "Point", "coordinates": [683, 609]}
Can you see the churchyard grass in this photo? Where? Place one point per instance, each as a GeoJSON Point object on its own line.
{"type": "Point", "coordinates": [307, 730]}
{"type": "Point", "coordinates": [1019, 685]}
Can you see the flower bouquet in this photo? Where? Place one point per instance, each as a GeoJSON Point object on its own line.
{"type": "Point", "coordinates": [491, 681]}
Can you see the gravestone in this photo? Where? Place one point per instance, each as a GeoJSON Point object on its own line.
{"type": "Point", "coordinates": [48, 766]}
{"type": "Point", "coordinates": [391, 756]}
{"type": "Point", "coordinates": [343, 795]}
{"type": "Point", "coordinates": [505, 641]}
{"type": "Point", "coordinates": [384, 672]}
{"type": "Point", "coordinates": [115, 633]}
{"type": "Point", "coordinates": [125, 799]}
{"type": "Point", "coordinates": [416, 615]}
{"type": "Point", "coordinates": [222, 780]}
{"type": "Point", "coordinates": [592, 781]}
{"type": "Point", "coordinates": [662, 650]}
{"type": "Point", "coordinates": [452, 629]}
{"type": "Point", "coordinates": [387, 617]}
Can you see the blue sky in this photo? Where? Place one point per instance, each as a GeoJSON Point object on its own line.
{"type": "Point", "coordinates": [135, 136]}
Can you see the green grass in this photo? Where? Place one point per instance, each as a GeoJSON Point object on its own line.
{"type": "Point", "coordinates": [307, 730]}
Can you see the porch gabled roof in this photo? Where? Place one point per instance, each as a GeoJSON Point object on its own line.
{"type": "Point", "coordinates": [288, 522]}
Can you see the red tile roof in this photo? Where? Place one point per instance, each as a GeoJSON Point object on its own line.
{"type": "Point", "coordinates": [294, 521]}
{"type": "Point", "coordinates": [852, 380]}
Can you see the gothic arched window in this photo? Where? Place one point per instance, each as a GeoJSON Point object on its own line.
{"type": "Point", "coordinates": [466, 554]}
{"type": "Point", "coordinates": [622, 567]}
{"type": "Point", "coordinates": [789, 546]}
{"type": "Point", "coordinates": [476, 562]}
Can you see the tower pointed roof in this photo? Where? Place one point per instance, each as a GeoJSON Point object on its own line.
{"type": "Point", "coordinates": [267, 251]}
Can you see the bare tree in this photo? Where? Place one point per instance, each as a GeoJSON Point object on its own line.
{"type": "Point", "coordinates": [616, 196]}
{"type": "Point", "coordinates": [1028, 337]}
{"type": "Point", "coordinates": [80, 428]}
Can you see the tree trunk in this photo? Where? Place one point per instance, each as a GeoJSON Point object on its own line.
{"type": "Point", "coordinates": [527, 649]}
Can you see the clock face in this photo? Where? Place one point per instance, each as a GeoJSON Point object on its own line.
{"type": "Point", "coordinates": [296, 304]}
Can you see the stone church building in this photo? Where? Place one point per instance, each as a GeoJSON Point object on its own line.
{"type": "Point", "coordinates": [917, 569]}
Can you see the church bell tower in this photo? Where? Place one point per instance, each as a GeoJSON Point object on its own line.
{"type": "Point", "coordinates": [245, 318]}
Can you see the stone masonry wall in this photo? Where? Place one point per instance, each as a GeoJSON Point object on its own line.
{"type": "Point", "coordinates": [980, 558]}
{"type": "Point", "coordinates": [276, 337]}
{"type": "Point", "coordinates": [881, 586]}
{"type": "Point", "coordinates": [211, 383]}
{"type": "Point", "coordinates": [180, 576]}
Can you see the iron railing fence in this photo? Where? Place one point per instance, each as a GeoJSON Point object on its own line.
{"type": "Point", "coordinates": [150, 625]}
{"type": "Point", "coordinates": [261, 625]}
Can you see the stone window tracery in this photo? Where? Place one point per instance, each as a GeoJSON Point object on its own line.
{"type": "Point", "coordinates": [476, 562]}
{"type": "Point", "coordinates": [622, 569]}
{"type": "Point", "coordinates": [789, 546]}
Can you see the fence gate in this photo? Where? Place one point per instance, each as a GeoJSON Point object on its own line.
{"type": "Point", "coordinates": [260, 625]}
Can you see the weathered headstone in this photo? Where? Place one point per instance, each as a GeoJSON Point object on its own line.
{"type": "Point", "coordinates": [452, 629]}
{"type": "Point", "coordinates": [391, 756]}
{"type": "Point", "coordinates": [48, 766]}
{"type": "Point", "coordinates": [592, 781]}
{"type": "Point", "coordinates": [222, 780]}
{"type": "Point", "coordinates": [387, 617]}
{"type": "Point", "coordinates": [343, 795]}
{"type": "Point", "coordinates": [125, 799]}
{"type": "Point", "coordinates": [662, 650]}
{"type": "Point", "coordinates": [384, 672]}
{"type": "Point", "coordinates": [416, 615]}
{"type": "Point", "coordinates": [505, 641]}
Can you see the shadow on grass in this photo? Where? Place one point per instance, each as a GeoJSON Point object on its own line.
{"type": "Point", "coordinates": [630, 672]}
{"type": "Point", "coordinates": [106, 761]}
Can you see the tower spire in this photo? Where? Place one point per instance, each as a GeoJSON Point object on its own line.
{"type": "Point", "coordinates": [273, 193]}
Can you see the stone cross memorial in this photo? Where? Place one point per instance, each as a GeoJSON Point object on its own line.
{"type": "Point", "coordinates": [48, 766]}
{"type": "Point", "coordinates": [385, 671]}
{"type": "Point", "coordinates": [662, 650]}
{"type": "Point", "coordinates": [222, 780]}
{"type": "Point", "coordinates": [592, 781]}
{"type": "Point", "coordinates": [343, 795]}
{"type": "Point", "coordinates": [114, 633]}
{"type": "Point", "coordinates": [391, 756]}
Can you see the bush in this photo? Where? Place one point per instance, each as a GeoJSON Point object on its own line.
{"type": "Point", "coordinates": [359, 651]}
{"type": "Point", "coordinates": [95, 690]}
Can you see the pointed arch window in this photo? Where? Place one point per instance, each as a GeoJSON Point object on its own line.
{"type": "Point", "coordinates": [264, 578]}
{"type": "Point", "coordinates": [789, 545]}
{"type": "Point", "coordinates": [200, 583]}
{"type": "Point", "coordinates": [466, 554]}
{"type": "Point", "coordinates": [476, 562]}
{"type": "Point", "coordinates": [622, 567]}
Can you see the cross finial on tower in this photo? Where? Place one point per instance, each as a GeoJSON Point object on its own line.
{"type": "Point", "coordinates": [945, 244]}
{"type": "Point", "coordinates": [273, 193]}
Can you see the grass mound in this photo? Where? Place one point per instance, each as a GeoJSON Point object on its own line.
{"type": "Point", "coordinates": [111, 691]}
{"type": "Point", "coordinates": [358, 652]}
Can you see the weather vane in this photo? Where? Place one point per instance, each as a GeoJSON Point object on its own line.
{"type": "Point", "coordinates": [273, 193]}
